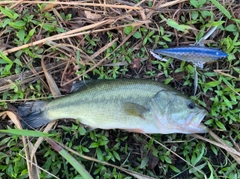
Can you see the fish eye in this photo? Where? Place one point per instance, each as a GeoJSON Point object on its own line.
{"type": "Point", "coordinates": [190, 105]}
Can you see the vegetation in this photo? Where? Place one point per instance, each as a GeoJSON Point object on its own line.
{"type": "Point", "coordinates": [93, 40]}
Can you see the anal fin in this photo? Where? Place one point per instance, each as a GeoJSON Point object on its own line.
{"type": "Point", "coordinates": [135, 130]}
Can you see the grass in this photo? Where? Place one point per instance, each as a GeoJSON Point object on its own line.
{"type": "Point", "coordinates": [96, 40]}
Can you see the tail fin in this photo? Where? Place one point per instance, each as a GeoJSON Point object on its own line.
{"type": "Point", "coordinates": [33, 114]}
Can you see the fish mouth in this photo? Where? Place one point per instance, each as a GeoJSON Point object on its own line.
{"type": "Point", "coordinates": [194, 121]}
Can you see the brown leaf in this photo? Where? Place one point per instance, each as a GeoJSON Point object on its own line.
{"type": "Point", "coordinates": [52, 84]}
{"type": "Point", "coordinates": [149, 65]}
{"type": "Point", "coordinates": [237, 13]}
{"type": "Point", "coordinates": [14, 119]}
{"type": "Point", "coordinates": [136, 63]}
{"type": "Point", "coordinates": [49, 6]}
{"type": "Point", "coordinates": [153, 161]}
{"type": "Point", "coordinates": [92, 16]}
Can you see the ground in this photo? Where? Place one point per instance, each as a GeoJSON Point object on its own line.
{"type": "Point", "coordinates": [48, 43]}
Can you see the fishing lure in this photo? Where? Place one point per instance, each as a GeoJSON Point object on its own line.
{"type": "Point", "coordinates": [196, 53]}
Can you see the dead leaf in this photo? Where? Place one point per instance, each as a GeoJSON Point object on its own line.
{"type": "Point", "coordinates": [136, 63]}
{"type": "Point", "coordinates": [149, 65]}
{"type": "Point", "coordinates": [49, 6]}
{"type": "Point", "coordinates": [52, 84]}
{"type": "Point", "coordinates": [14, 119]}
{"type": "Point", "coordinates": [153, 161]}
{"type": "Point", "coordinates": [237, 13]}
{"type": "Point", "coordinates": [92, 16]}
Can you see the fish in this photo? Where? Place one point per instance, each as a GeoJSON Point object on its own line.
{"type": "Point", "coordinates": [133, 105]}
{"type": "Point", "coordinates": [198, 55]}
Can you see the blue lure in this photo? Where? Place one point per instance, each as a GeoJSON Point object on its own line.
{"type": "Point", "coordinates": [198, 55]}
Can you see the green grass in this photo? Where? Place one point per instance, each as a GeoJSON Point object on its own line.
{"type": "Point", "coordinates": [218, 92]}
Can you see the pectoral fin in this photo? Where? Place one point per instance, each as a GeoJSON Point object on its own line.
{"type": "Point", "coordinates": [134, 109]}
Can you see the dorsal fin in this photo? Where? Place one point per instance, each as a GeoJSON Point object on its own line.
{"type": "Point", "coordinates": [79, 85]}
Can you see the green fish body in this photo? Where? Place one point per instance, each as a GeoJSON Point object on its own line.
{"type": "Point", "coordinates": [135, 105]}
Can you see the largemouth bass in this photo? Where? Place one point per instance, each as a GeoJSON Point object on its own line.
{"type": "Point", "coordinates": [135, 105]}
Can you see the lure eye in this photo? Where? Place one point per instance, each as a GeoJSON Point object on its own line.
{"type": "Point", "coordinates": [190, 105]}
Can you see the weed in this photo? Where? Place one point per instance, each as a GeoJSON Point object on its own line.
{"type": "Point", "coordinates": [218, 89]}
